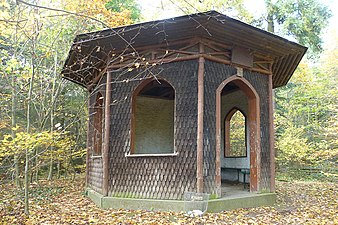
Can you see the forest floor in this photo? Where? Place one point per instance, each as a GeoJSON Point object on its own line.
{"type": "Point", "coordinates": [63, 202]}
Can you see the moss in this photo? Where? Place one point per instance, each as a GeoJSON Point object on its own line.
{"type": "Point", "coordinates": [265, 191]}
{"type": "Point", "coordinates": [213, 196]}
{"type": "Point", "coordinates": [125, 195]}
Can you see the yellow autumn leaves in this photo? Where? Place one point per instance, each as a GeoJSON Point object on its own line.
{"type": "Point", "coordinates": [62, 202]}
{"type": "Point", "coordinates": [96, 9]}
{"type": "Point", "coordinates": [32, 141]}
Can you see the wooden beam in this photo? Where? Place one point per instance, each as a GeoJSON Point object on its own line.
{"type": "Point", "coordinates": [215, 59]}
{"type": "Point", "coordinates": [155, 61]}
{"type": "Point", "coordinates": [88, 143]}
{"type": "Point", "coordinates": [200, 115]}
{"type": "Point", "coordinates": [178, 51]}
{"type": "Point", "coordinates": [266, 72]}
{"type": "Point", "coordinates": [218, 179]}
{"type": "Point", "coordinates": [272, 136]}
{"type": "Point", "coordinates": [105, 155]}
{"type": "Point", "coordinates": [192, 41]}
{"type": "Point", "coordinates": [214, 44]}
{"type": "Point", "coordinates": [216, 56]}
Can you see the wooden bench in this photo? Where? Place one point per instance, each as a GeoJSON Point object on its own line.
{"type": "Point", "coordinates": [244, 171]}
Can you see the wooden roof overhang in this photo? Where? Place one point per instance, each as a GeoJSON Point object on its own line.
{"type": "Point", "coordinates": [176, 39]}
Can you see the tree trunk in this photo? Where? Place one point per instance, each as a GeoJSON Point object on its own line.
{"type": "Point", "coordinates": [271, 26]}
{"type": "Point", "coordinates": [27, 150]}
{"type": "Point", "coordinates": [269, 18]}
{"type": "Point", "coordinates": [29, 102]}
{"type": "Point", "coordinates": [36, 165]}
{"type": "Point", "coordinates": [16, 161]}
{"type": "Point", "coordinates": [58, 169]}
{"type": "Point", "coordinates": [50, 173]}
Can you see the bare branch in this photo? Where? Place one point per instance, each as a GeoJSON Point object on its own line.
{"type": "Point", "coordinates": [63, 11]}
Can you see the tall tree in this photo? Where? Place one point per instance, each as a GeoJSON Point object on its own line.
{"type": "Point", "coordinates": [234, 8]}
{"type": "Point", "coordinates": [106, 13]}
{"type": "Point", "coordinates": [304, 20]}
{"type": "Point", "coordinates": [119, 6]}
{"type": "Point", "coordinates": [306, 115]}
{"type": "Point", "coordinates": [34, 41]}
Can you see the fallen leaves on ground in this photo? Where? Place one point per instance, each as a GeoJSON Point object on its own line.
{"type": "Point", "coordinates": [63, 202]}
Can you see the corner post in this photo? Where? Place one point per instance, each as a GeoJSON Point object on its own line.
{"type": "Point", "coordinates": [88, 142]}
{"type": "Point", "coordinates": [200, 115]}
{"type": "Point", "coordinates": [105, 154]}
{"type": "Point", "coordinates": [218, 178]}
{"type": "Point", "coordinates": [272, 135]}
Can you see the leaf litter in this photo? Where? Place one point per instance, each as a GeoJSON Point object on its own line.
{"type": "Point", "coordinates": [63, 202]}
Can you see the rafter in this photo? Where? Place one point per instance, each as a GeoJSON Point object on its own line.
{"type": "Point", "coordinates": [180, 50]}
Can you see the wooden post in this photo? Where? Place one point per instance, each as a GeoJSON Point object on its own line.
{"type": "Point", "coordinates": [218, 178]}
{"type": "Point", "coordinates": [88, 142]}
{"type": "Point", "coordinates": [254, 139]}
{"type": "Point", "coordinates": [105, 154]}
{"type": "Point", "coordinates": [272, 136]}
{"type": "Point", "coordinates": [200, 114]}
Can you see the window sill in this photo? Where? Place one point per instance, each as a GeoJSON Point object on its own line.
{"type": "Point", "coordinates": [151, 155]}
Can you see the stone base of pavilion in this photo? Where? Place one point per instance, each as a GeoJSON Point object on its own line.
{"type": "Point", "coordinates": [232, 198]}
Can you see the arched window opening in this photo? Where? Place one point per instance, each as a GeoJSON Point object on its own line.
{"type": "Point", "coordinates": [153, 118]}
{"type": "Point", "coordinates": [98, 124]}
{"type": "Point", "coordinates": [235, 134]}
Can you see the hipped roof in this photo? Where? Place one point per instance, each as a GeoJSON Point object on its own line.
{"type": "Point", "coordinates": [89, 51]}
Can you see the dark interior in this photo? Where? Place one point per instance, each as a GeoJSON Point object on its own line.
{"type": "Point", "coordinates": [158, 89]}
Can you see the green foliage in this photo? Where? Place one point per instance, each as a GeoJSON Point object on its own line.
{"type": "Point", "coordinates": [237, 135]}
{"type": "Point", "coordinates": [59, 144]}
{"type": "Point", "coordinates": [304, 20]}
{"type": "Point", "coordinates": [306, 120]}
{"type": "Point", "coordinates": [234, 8]}
{"type": "Point", "coordinates": [294, 150]}
{"type": "Point", "coordinates": [39, 39]}
{"type": "Point", "coordinates": [121, 5]}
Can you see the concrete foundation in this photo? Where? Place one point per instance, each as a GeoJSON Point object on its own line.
{"type": "Point", "coordinates": [232, 201]}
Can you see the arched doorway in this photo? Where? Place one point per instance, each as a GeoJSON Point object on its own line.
{"type": "Point", "coordinates": [252, 117]}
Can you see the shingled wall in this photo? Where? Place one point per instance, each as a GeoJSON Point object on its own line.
{"type": "Point", "coordinates": [168, 177]}
{"type": "Point", "coordinates": [215, 74]}
{"type": "Point", "coordinates": [94, 162]}
{"type": "Point", "coordinates": [158, 177]}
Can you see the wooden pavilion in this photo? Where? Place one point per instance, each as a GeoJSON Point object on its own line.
{"type": "Point", "coordinates": [182, 104]}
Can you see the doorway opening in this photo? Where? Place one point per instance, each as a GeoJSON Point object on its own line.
{"type": "Point", "coordinates": [237, 132]}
